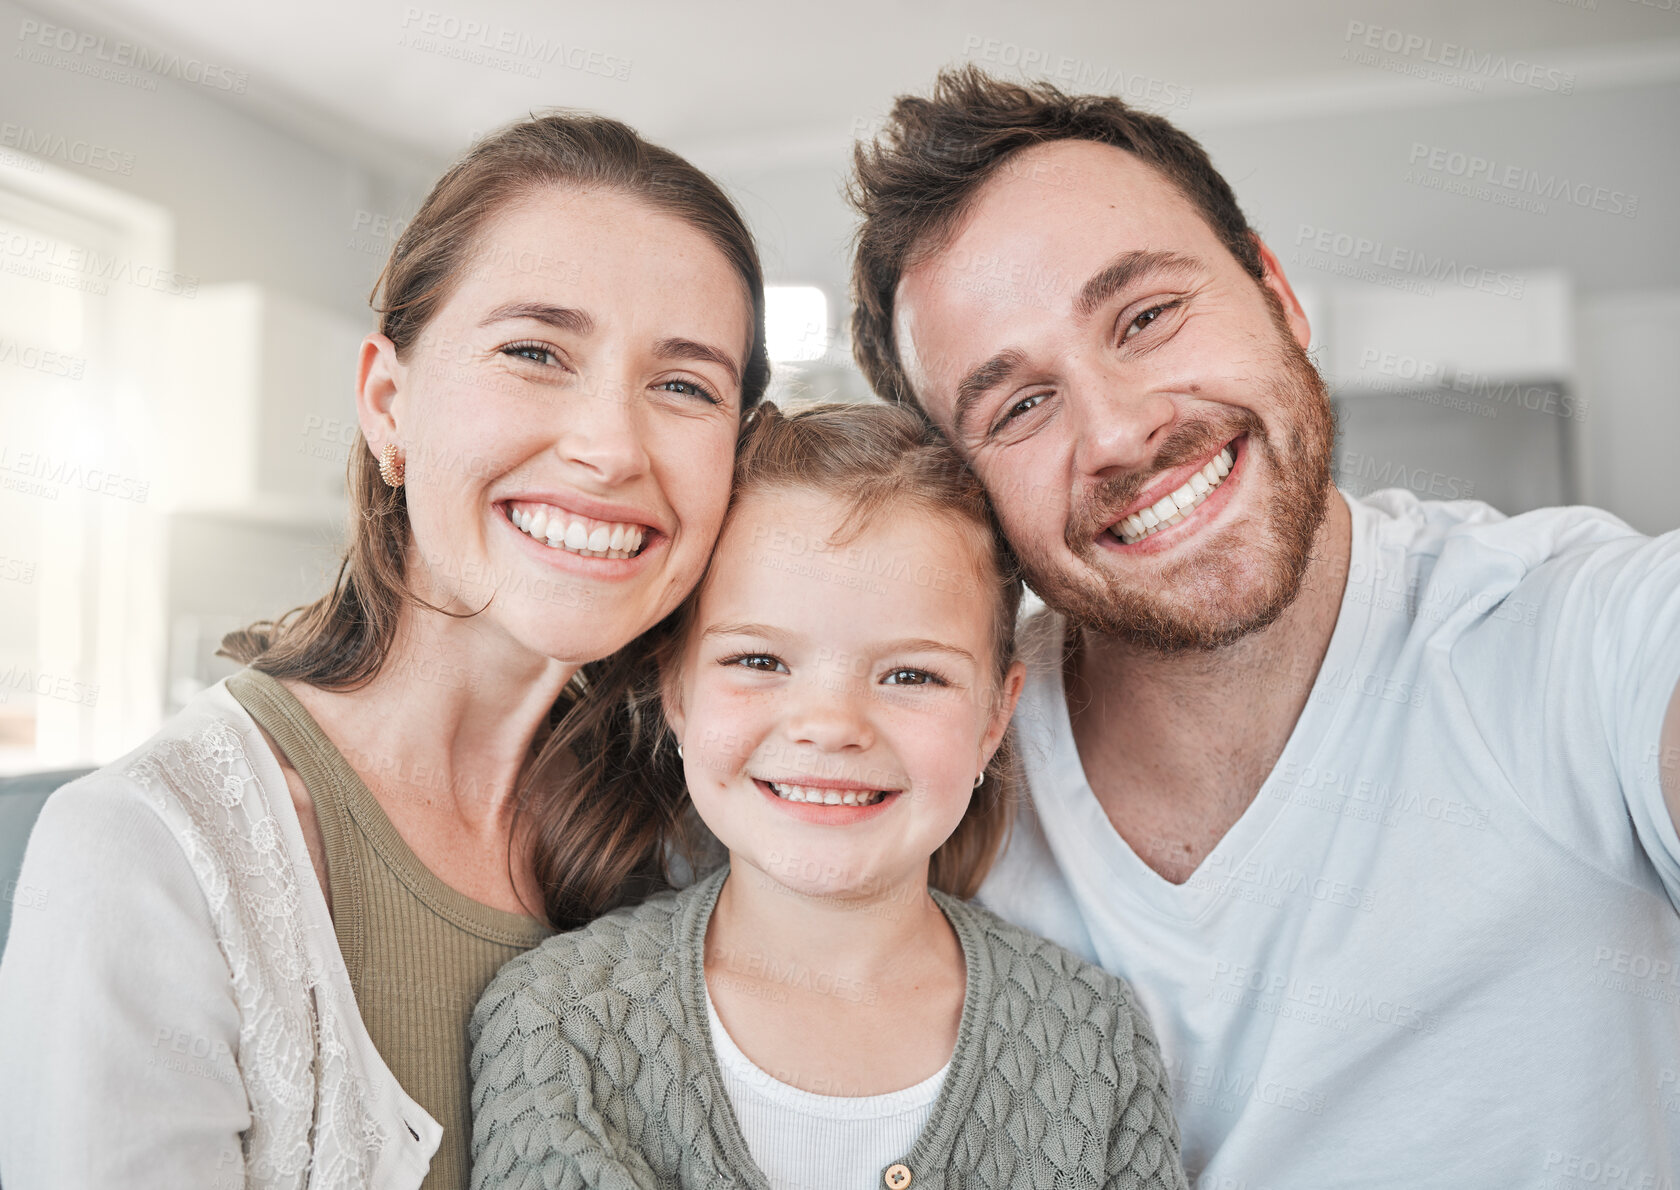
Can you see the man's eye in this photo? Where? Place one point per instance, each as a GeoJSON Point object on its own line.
{"type": "Point", "coordinates": [1021, 407]}
{"type": "Point", "coordinates": [762, 662]}
{"type": "Point", "coordinates": [912, 677]}
{"type": "Point", "coordinates": [1144, 319]}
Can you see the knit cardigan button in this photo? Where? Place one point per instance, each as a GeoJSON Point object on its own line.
{"type": "Point", "coordinates": [897, 1176]}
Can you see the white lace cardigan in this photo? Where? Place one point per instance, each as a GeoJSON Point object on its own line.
{"type": "Point", "coordinates": [174, 1009]}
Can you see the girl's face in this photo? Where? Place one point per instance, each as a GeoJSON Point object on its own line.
{"type": "Point", "coordinates": [568, 420]}
{"type": "Point", "coordinates": [836, 703]}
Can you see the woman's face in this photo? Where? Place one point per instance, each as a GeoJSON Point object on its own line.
{"type": "Point", "coordinates": [568, 421]}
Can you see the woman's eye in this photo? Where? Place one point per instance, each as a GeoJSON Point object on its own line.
{"type": "Point", "coordinates": [762, 662]}
{"type": "Point", "coordinates": [537, 353]}
{"type": "Point", "coordinates": [688, 388]}
{"type": "Point", "coordinates": [912, 677]}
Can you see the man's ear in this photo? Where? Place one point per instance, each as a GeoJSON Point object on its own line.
{"type": "Point", "coordinates": [1009, 694]}
{"type": "Point", "coordinates": [379, 382]}
{"type": "Point", "coordinates": [1275, 281]}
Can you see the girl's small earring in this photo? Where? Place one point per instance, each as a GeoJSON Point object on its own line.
{"type": "Point", "coordinates": [391, 466]}
{"type": "Point", "coordinates": [980, 780]}
{"type": "Point", "coordinates": [679, 752]}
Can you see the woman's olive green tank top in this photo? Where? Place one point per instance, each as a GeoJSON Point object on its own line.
{"type": "Point", "coordinates": [419, 953]}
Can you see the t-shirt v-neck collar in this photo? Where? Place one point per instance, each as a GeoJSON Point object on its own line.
{"type": "Point", "coordinates": [1059, 775]}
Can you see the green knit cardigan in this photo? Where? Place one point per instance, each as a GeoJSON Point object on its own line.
{"type": "Point", "coordinates": [593, 1066]}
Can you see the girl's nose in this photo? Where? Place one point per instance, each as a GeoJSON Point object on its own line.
{"type": "Point", "coordinates": [828, 718]}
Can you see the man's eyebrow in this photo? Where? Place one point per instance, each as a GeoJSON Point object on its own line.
{"type": "Point", "coordinates": [563, 317]}
{"type": "Point", "coordinates": [983, 379]}
{"type": "Point", "coordinates": [1124, 270]}
{"type": "Point", "coordinates": [680, 349]}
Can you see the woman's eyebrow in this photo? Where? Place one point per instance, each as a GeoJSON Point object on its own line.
{"type": "Point", "coordinates": [562, 317]}
{"type": "Point", "coordinates": [681, 349]}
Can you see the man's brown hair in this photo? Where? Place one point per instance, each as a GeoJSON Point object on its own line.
{"type": "Point", "coordinates": [913, 183]}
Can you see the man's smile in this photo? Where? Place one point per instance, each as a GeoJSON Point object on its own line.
{"type": "Point", "coordinates": [1175, 496]}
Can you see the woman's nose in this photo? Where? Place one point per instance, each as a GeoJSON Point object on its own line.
{"type": "Point", "coordinates": [603, 433]}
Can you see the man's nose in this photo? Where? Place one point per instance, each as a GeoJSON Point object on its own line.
{"type": "Point", "coordinates": [1117, 425]}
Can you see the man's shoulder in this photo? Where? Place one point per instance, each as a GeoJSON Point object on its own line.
{"type": "Point", "coordinates": [1399, 519]}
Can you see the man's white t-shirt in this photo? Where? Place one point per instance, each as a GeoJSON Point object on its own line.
{"type": "Point", "coordinates": [1442, 946]}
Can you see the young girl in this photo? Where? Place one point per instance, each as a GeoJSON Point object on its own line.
{"type": "Point", "coordinates": [827, 1010]}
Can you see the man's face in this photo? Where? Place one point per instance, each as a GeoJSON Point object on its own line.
{"type": "Point", "coordinates": [1142, 412]}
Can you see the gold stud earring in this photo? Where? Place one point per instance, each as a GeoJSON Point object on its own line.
{"type": "Point", "coordinates": [391, 466]}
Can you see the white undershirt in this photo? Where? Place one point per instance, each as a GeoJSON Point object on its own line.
{"type": "Point", "coordinates": [805, 1141]}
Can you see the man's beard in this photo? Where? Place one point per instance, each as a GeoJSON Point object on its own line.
{"type": "Point", "coordinates": [1233, 582]}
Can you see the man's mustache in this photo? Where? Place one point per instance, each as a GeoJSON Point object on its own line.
{"type": "Point", "coordinates": [1102, 504]}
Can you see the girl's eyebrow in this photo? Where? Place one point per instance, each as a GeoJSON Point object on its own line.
{"type": "Point", "coordinates": [915, 644]}
{"type": "Point", "coordinates": [743, 630]}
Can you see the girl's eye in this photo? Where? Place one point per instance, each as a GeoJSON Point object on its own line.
{"type": "Point", "coordinates": [688, 388]}
{"type": "Point", "coordinates": [537, 353]}
{"type": "Point", "coordinates": [1143, 320]}
{"type": "Point", "coordinates": [912, 677]}
{"type": "Point", "coordinates": [762, 662]}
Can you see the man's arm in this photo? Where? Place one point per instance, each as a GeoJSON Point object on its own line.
{"type": "Point", "coordinates": [1668, 758]}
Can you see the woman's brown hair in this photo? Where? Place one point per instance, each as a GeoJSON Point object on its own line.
{"type": "Point", "coordinates": [875, 458]}
{"type": "Point", "coordinates": [341, 641]}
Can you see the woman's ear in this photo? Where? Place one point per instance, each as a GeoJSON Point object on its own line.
{"type": "Point", "coordinates": [1009, 693]}
{"type": "Point", "coordinates": [379, 381]}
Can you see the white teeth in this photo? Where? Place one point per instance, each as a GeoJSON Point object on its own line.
{"type": "Point", "coordinates": [824, 797]}
{"type": "Point", "coordinates": [556, 530]}
{"type": "Point", "coordinates": [1170, 510]}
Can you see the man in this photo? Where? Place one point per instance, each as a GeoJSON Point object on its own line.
{"type": "Point", "coordinates": [1364, 797]}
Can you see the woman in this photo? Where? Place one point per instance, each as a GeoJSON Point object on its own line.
{"type": "Point", "coordinates": [265, 928]}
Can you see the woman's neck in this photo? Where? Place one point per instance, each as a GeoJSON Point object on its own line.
{"type": "Point", "coordinates": [449, 720]}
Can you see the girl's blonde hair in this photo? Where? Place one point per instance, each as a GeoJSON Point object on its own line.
{"type": "Point", "coordinates": [875, 458]}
